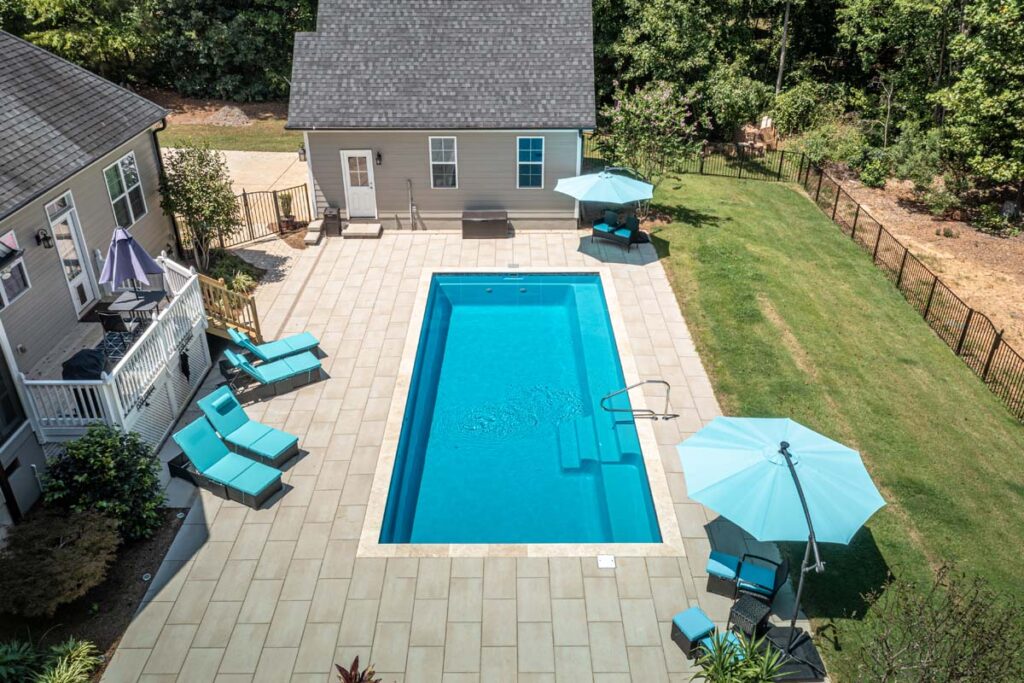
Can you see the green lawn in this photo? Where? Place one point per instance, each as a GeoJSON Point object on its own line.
{"type": "Point", "coordinates": [792, 319]}
{"type": "Point", "coordinates": [259, 136]}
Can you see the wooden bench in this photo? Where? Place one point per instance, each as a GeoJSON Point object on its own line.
{"type": "Point", "coordinates": [485, 224]}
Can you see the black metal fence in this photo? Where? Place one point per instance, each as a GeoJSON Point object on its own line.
{"type": "Point", "coordinates": [262, 214]}
{"type": "Point", "coordinates": [968, 332]}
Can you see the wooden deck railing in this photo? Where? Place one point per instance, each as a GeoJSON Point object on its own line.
{"type": "Point", "coordinates": [225, 308]}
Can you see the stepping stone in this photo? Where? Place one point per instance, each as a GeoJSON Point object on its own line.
{"type": "Point", "coordinates": [362, 231]}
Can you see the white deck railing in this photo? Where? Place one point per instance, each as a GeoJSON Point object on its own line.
{"type": "Point", "coordinates": [63, 409]}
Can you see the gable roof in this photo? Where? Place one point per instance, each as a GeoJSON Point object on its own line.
{"type": "Point", "coordinates": [445, 64]}
{"type": "Point", "coordinates": [57, 118]}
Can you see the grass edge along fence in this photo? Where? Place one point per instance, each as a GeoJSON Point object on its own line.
{"type": "Point", "coordinates": [262, 214]}
{"type": "Point", "coordinates": [969, 333]}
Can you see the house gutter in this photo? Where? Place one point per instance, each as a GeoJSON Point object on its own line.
{"type": "Point", "coordinates": [178, 244]}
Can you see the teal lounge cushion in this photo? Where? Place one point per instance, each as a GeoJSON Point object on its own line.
{"type": "Point", "coordinates": [228, 468]}
{"type": "Point", "coordinates": [757, 578]}
{"type": "Point", "coordinates": [223, 410]}
{"type": "Point", "coordinates": [730, 638]}
{"type": "Point", "coordinates": [303, 341]}
{"type": "Point", "coordinates": [273, 443]}
{"type": "Point", "coordinates": [303, 362]}
{"type": "Point", "coordinates": [200, 444]}
{"type": "Point", "coordinates": [256, 478]}
{"type": "Point", "coordinates": [694, 623]}
{"type": "Point", "coordinates": [248, 434]}
{"type": "Point", "coordinates": [723, 565]}
{"type": "Point", "coordinates": [271, 350]}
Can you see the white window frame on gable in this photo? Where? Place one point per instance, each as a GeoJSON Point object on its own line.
{"type": "Point", "coordinates": [442, 160]}
{"type": "Point", "coordinates": [520, 163]}
{"type": "Point", "coordinates": [10, 241]}
{"type": "Point", "coordinates": [125, 191]}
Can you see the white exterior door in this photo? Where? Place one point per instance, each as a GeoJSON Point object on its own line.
{"type": "Point", "coordinates": [71, 248]}
{"type": "Point", "coordinates": [357, 172]}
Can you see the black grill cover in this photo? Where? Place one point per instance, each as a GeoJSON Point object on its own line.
{"type": "Point", "coordinates": [86, 364]}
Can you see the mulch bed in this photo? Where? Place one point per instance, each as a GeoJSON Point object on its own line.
{"type": "Point", "coordinates": [102, 614]}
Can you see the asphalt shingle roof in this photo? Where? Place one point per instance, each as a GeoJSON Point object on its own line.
{"type": "Point", "coordinates": [445, 64]}
{"type": "Point", "coordinates": [57, 118]}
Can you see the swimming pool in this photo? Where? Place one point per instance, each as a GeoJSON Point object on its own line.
{"type": "Point", "coordinates": [503, 439]}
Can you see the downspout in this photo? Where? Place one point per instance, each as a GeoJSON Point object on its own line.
{"type": "Point", "coordinates": [178, 244]}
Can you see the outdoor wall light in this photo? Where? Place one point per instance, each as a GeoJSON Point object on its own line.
{"type": "Point", "coordinates": [380, 159]}
{"type": "Point", "coordinates": [44, 239]}
{"type": "Point", "coordinates": [302, 153]}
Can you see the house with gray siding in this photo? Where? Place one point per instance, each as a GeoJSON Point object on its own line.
{"type": "Point", "coordinates": [416, 111]}
{"type": "Point", "coordinates": [78, 157]}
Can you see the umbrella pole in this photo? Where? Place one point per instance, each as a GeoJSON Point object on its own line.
{"type": "Point", "coordinates": [799, 591]}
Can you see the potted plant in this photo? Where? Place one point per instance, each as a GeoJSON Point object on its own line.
{"type": "Point", "coordinates": [287, 217]}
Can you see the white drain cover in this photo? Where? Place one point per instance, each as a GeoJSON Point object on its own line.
{"type": "Point", "coordinates": [606, 562]}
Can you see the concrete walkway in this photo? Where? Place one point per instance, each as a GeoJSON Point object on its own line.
{"type": "Point", "coordinates": [280, 594]}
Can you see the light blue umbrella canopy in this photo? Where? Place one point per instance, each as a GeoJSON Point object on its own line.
{"type": "Point", "coordinates": [605, 187]}
{"type": "Point", "coordinates": [735, 466]}
{"type": "Point", "coordinates": [127, 260]}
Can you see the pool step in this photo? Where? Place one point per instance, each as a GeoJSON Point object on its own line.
{"type": "Point", "coordinates": [626, 502]}
{"type": "Point", "coordinates": [577, 445]}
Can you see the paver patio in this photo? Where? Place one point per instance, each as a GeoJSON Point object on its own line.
{"type": "Point", "coordinates": [280, 595]}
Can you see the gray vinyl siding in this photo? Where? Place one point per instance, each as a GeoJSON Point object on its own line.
{"type": "Point", "coordinates": [45, 313]}
{"type": "Point", "coordinates": [24, 447]}
{"type": "Point", "coordinates": [486, 175]}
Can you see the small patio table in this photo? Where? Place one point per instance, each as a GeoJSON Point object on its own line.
{"type": "Point", "coordinates": [749, 615]}
{"type": "Point", "coordinates": [130, 301]}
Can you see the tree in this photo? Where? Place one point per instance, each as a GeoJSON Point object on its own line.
{"type": "Point", "coordinates": [985, 102]}
{"type": "Point", "coordinates": [732, 98]}
{"type": "Point", "coordinates": [196, 187]}
{"type": "Point", "coordinates": [649, 130]}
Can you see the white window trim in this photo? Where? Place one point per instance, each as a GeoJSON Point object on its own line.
{"type": "Point", "coordinates": [24, 269]}
{"type": "Point", "coordinates": [430, 158]}
{"type": "Point", "coordinates": [543, 158]}
{"type": "Point", "coordinates": [145, 206]}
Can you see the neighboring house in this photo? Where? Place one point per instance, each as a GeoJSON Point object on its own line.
{"type": "Point", "coordinates": [78, 156]}
{"type": "Point", "coordinates": [433, 108]}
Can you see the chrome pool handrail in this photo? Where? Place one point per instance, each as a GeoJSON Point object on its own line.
{"type": "Point", "coordinates": [645, 413]}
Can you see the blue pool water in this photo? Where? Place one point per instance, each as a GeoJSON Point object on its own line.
{"type": "Point", "coordinates": [503, 439]}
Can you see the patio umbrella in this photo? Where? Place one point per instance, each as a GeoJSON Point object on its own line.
{"type": "Point", "coordinates": [126, 260]}
{"type": "Point", "coordinates": [780, 481]}
{"type": "Point", "coordinates": [605, 187]}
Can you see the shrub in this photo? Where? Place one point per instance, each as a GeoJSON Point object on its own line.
{"type": "Point", "coordinates": [229, 267]}
{"type": "Point", "coordinates": [18, 660]}
{"type": "Point", "coordinates": [110, 471]}
{"type": "Point", "coordinates": [955, 629]}
{"type": "Point", "coordinates": [286, 204]}
{"type": "Point", "coordinates": [840, 141]}
{"type": "Point", "coordinates": [874, 172]}
{"type": "Point", "coordinates": [806, 105]}
{"type": "Point", "coordinates": [242, 282]}
{"type": "Point", "coordinates": [939, 200]}
{"type": "Point", "coordinates": [72, 661]}
{"type": "Point", "coordinates": [917, 155]}
{"type": "Point", "coordinates": [53, 558]}
{"type": "Point", "coordinates": [991, 220]}
{"type": "Point", "coordinates": [733, 99]}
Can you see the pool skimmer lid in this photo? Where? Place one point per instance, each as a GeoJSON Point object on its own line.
{"type": "Point", "coordinates": [606, 562]}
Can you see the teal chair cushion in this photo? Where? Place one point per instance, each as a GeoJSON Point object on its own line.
{"type": "Point", "coordinates": [723, 565]}
{"type": "Point", "coordinates": [273, 443]}
{"type": "Point", "coordinates": [229, 468]}
{"type": "Point", "coordinates": [604, 227]}
{"type": "Point", "coordinates": [623, 232]}
{"type": "Point", "coordinates": [757, 578]}
{"type": "Point", "coordinates": [223, 410]}
{"type": "Point", "coordinates": [256, 478]}
{"type": "Point", "coordinates": [200, 444]}
{"type": "Point", "coordinates": [710, 642]}
{"type": "Point", "coordinates": [694, 623]}
{"type": "Point", "coordinates": [248, 434]}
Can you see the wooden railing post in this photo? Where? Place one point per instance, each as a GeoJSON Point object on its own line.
{"type": "Point", "coordinates": [963, 332]}
{"type": "Point", "coordinates": [991, 354]}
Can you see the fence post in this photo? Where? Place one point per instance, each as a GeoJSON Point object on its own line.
{"type": "Point", "coordinates": [739, 155]}
{"type": "Point", "coordinates": [963, 332]}
{"type": "Point", "coordinates": [878, 240]}
{"type": "Point", "coordinates": [903, 263]}
{"type": "Point", "coordinates": [835, 204]}
{"type": "Point", "coordinates": [818, 191]}
{"type": "Point", "coordinates": [931, 293]}
{"type": "Point", "coordinates": [701, 169]}
{"type": "Point", "coordinates": [277, 213]}
{"type": "Point", "coordinates": [782, 157]}
{"type": "Point", "coordinates": [991, 354]}
{"type": "Point", "coordinates": [248, 214]}
{"type": "Point", "coordinates": [853, 230]}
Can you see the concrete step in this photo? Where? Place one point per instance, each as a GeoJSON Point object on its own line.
{"type": "Point", "coordinates": [362, 231]}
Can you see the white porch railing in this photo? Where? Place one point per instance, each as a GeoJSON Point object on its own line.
{"type": "Point", "coordinates": [64, 409]}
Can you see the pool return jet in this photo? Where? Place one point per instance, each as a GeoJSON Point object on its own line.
{"type": "Point", "coordinates": [780, 481]}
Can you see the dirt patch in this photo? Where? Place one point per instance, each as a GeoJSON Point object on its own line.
{"type": "Point", "coordinates": [102, 614]}
{"type": "Point", "coordinates": [216, 112]}
{"type": "Point", "coordinates": [296, 239]}
{"type": "Point", "coordinates": [985, 271]}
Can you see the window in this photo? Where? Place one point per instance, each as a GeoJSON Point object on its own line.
{"type": "Point", "coordinates": [13, 277]}
{"type": "Point", "coordinates": [125, 189]}
{"type": "Point", "coordinates": [444, 163]}
{"type": "Point", "coordinates": [530, 162]}
{"type": "Point", "coordinates": [12, 415]}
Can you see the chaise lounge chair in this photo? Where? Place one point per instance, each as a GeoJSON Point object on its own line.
{"type": "Point", "coordinates": [232, 475]}
{"type": "Point", "coordinates": [249, 437]}
{"type": "Point", "coordinates": [275, 350]}
{"type": "Point", "coordinates": [729, 575]}
{"type": "Point", "coordinates": [299, 368]}
{"type": "Point", "coordinates": [627, 234]}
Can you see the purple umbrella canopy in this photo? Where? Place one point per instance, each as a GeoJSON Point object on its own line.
{"type": "Point", "coordinates": [126, 260]}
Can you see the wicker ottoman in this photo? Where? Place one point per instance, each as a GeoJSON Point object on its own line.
{"type": "Point", "coordinates": [689, 627]}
